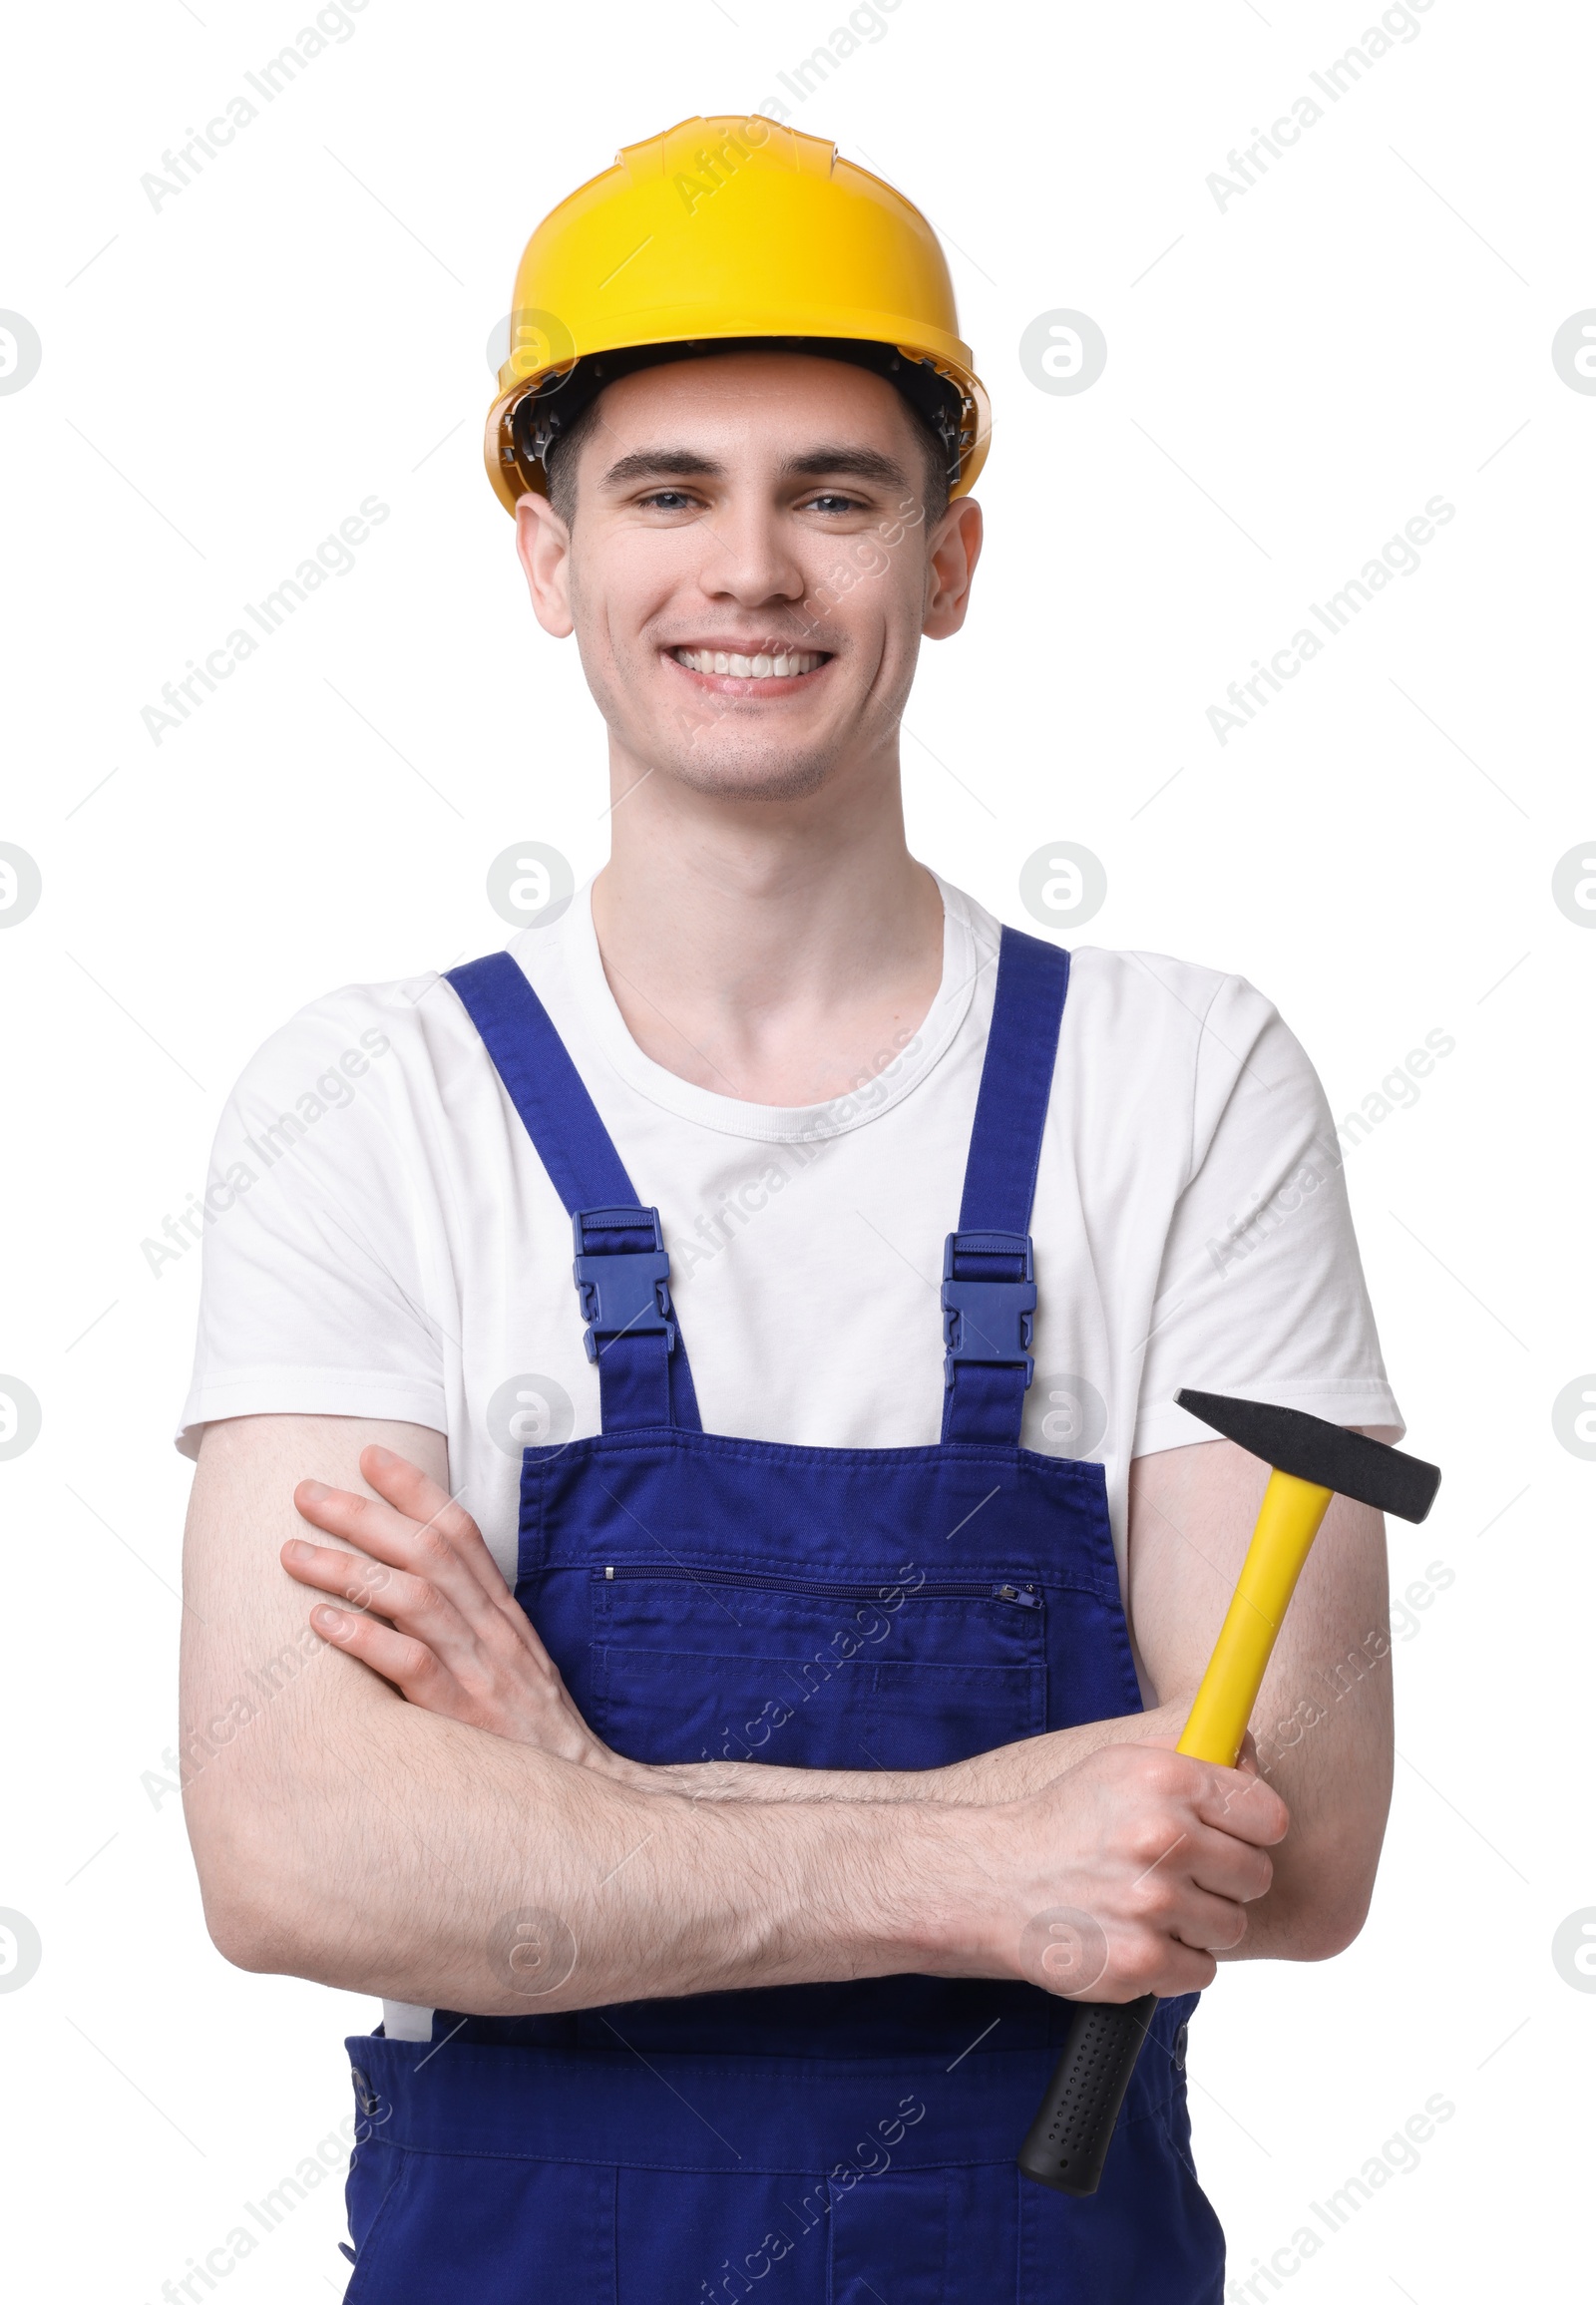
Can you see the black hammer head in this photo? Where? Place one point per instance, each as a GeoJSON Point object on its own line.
{"type": "Point", "coordinates": [1314, 1450]}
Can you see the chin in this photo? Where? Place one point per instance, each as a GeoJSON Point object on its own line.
{"type": "Point", "coordinates": [755, 773]}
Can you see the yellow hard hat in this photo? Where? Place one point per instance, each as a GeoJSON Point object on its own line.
{"type": "Point", "coordinates": [720, 231]}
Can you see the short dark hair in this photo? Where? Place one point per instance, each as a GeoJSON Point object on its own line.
{"type": "Point", "coordinates": [560, 462]}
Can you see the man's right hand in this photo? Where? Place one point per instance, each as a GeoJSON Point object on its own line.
{"type": "Point", "coordinates": [430, 1611]}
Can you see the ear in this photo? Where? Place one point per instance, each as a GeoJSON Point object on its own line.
{"type": "Point", "coordinates": [542, 545]}
{"type": "Point", "coordinates": [950, 565]}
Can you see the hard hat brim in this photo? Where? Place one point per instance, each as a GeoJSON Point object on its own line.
{"type": "Point", "coordinates": [515, 474]}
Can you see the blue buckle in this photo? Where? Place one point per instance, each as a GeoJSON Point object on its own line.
{"type": "Point", "coordinates": [984, 1319]}
{"type": "Point", "coordinates": [621, 1292]}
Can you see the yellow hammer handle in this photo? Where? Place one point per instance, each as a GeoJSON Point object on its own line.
{"type": "Point", "coordinates": [1288, 1522]}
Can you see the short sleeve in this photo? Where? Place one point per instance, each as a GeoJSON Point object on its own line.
{"type": "Point", "coordinates": [313, 1295]}
{"type": "Point", "coordinates": [1260, 1290]}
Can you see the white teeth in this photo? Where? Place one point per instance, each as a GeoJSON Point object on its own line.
{"type": "Point", "coordinates": [762, 668]}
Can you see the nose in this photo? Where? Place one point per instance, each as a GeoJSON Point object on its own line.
{"type": "Point", "coordinates": [750, 557]}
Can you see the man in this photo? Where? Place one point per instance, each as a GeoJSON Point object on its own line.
{"type": "Point", "coordinates": [723, 1789]}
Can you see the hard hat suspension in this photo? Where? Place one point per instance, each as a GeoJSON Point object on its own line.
{"type": "Point", "coordinates": [543, 418]}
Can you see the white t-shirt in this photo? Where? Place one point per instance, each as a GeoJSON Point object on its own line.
{"type": "Point", "coordinates": [382, 1240]}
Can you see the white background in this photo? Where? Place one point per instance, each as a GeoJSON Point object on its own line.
{"type": "Point", "coordinates": [226, 378]}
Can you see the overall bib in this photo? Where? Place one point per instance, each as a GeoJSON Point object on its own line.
{"type": "Point", "coordinates": [707, 1597]}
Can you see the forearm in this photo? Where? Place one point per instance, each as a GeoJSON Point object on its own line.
{"type": "Point", "coordinates": [434, 1618]}
{"type": "Point", "coordinates": [496, 1676]}
{"type": "Point", "coordinates": [393, 1861]}
{"type": "Point", "coordinates": [397, 1861]}
{"type": "Point", "coordinates": [1007, 1772]}
{"type": "Point", "coordinates": [435, 1863]}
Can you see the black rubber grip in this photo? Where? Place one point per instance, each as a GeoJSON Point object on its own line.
{"type": "Point", "coordinates": [1069, 2138]}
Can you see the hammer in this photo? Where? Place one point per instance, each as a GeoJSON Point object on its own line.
{"type": "Point", "coordinates": [1312, 1461]}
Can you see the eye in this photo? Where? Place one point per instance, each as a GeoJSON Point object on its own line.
{"type": "Point", "coordinates": [833, 501]}
{"type": "Point", "coordinates": [669, 500]}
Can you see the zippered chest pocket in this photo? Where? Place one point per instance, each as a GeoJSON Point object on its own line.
{"type": "Point", "coordinates": [706, 1665]}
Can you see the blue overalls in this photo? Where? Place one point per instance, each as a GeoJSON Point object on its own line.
{"type": "Point", "coordinates": [706, 1597]}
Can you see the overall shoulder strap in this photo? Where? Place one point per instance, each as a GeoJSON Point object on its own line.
{"type": "Point", "coordinates": [622, 1271]}
{"type": "Point", "coordinates": [988, 1290]}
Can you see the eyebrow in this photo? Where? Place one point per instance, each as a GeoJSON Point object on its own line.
{"type": "Point", "coordinates": [865, 464]}
{"type": "Point", "coordinates": [862, 463]}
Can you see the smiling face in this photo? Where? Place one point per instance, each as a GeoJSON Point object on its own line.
{"type": "Point", "coordinates": [748, 570]}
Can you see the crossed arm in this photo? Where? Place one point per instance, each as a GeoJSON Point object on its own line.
{"type": "Point", "coordinates": [370, 1799]}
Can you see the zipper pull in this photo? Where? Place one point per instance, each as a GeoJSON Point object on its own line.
{"type": "Point", "coordinates": [1022, 1596]}
{"type": "Point", "coordinates": [609, 1575]}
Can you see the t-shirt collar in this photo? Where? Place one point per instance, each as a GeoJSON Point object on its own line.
{"type": "Point", "coordinates": [896, 1075]}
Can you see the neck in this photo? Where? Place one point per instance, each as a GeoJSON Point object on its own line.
{"type": "Point", "coordinates": [776, 952]}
